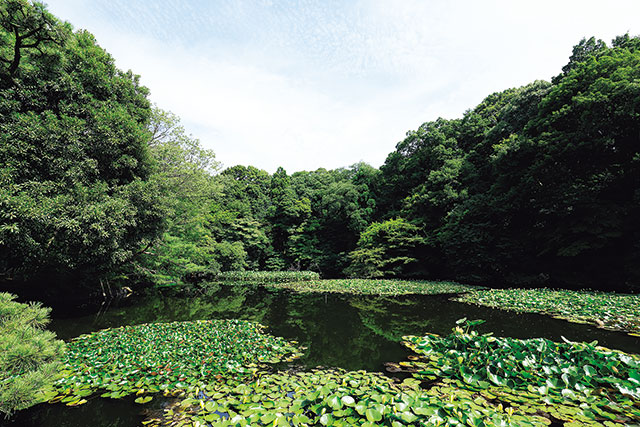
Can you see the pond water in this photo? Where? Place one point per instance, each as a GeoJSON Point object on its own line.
{"type": "Point", "coordinates": [346, 331]}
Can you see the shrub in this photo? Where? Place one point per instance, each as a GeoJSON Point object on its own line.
{"type": "Point", "coordinates": [28, 354]}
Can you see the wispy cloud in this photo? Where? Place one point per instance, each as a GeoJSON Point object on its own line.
{"type": "Point", "coordinates": [307, 84]}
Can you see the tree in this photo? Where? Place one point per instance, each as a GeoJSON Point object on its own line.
{"type": "Point", "coordinates": [182, 170]}
{"type": "Point", "coordinates": [29, 355]}
{"type": "Point", "coordinates": [27, 26]}
{"type": "Point", "coordinates": [552, 186]}
{"type": "Point", "coordinates": [535, 185]}
{"type": "Point", "coordinates": [341, 203]}
{"type": "Point", "coordinates": [75, 199]}
{"type": "Point", "coordinates": [387, 249]}
{"type": "Point", "coordinates": [587, 48]}
{"type": "Point", "coordinates": [284, 215]}
{"type": "Point", "coordinates": [246, 191]}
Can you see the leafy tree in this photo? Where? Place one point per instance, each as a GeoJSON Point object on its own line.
{"type": "Point", "coordinates": [27, 27]}
{"type": "Point", "coordinates": [285, 213]}
{"type": "Point", "coordinates": [583, 51]}
{"type": "Point", "coordinates": [182, 170]}
{"type": "Point", "coordinates": [342, 205]}
{"type": "Point", "coordinates": [249, 233]}
{"type": "Point", "coordinates": [75, 198]}
{"type": "Point", "coordinates": [246, 191]}
{"type": "Point", "coordinates": [536, 185]}
{"type": "Point", "coordinates": [387, 249]}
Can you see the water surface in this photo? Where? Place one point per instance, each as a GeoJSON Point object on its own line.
{"type": "Point", "coordinates": [346, 331]}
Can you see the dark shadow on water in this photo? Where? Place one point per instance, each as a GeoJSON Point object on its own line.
{"type": "Point", "coordinates": [346, 331]}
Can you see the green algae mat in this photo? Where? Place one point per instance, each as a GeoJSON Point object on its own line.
{"type": "Point", "coordinates": [157, 357]}
{"type": "Point", "coordinates": [375, 286]}
{"type": "Point", "coordinates": [618, 312]}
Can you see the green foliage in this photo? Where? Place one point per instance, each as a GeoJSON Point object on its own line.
{"type": "Point", "coordinates": [618, 312]}
{"type": "Point", "coordinates": [27, 27]}
{"type": "Point", "coordinates": [267, 277]}
{"type": "Point", "coordinates": [464, 378]}
{"type": "Point", "coordinates": [573, 382]}
{"type": "Point", "coordinates": [182, 170]}
{"type": "Point", "coordinates": [583, 51]}
{"type": "Point", "coordinates": [536, 185]}
{"type": "Point", "coordinates": [246, 191]}
{"type": "Point", "coordinates": [74, 166]}
{"type": "Point", "coordinates": [29, 355]}
{"type": "Point", "coordinates": [330, 398]}
{"type": "Point", "coordinates": [342, 204]}
{"type": "Point", "coordinates": [386, 249]}
{"type": "Point", "coordinates": [373, 286]}
{"type": "Point", "coordinates": [164, 357]}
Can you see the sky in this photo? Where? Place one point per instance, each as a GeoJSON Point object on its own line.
{"type": "Point", "coordinates": [307, 84]}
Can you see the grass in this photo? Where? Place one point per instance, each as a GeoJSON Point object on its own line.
{"type": "Point", "coordinates": [620, 312]}
{"type": "Point", "coordinates": [375, 286]}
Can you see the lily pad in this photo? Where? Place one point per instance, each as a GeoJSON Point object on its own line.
{"type": "Point", "coordinates": [608, 310]}
{"type": "Point", "coordinates": [157, 357]}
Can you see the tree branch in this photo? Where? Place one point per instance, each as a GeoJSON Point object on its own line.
{"type": "Point", "coordinates": [16, 54]}
{"type": "Point", "coordinates": [32, 32]}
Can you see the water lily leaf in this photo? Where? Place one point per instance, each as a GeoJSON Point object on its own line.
{"type": "Point", "coordinates": [348, 400]}
{"type": "Point", "coordinates": [143, 399]}
{"type": "Point", "coordinates": [373, 414]}
{"type": "Point", "coordinates": [326, 420]}
{"type": "Point", "coordinates": [408, 417]}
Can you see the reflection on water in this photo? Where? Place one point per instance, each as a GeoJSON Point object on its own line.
{"type": "Point", "coordinates": [351, 332]}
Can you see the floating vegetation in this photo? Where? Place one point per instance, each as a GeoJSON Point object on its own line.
{"type": "Point", "coordinates": [262, 277]}
{"type": "Point", "coordinates": [607, 310]}
{"type": "Point", "coordinates": [577, 383]}
{"type": "Point", "coordinates": [331, 398]}
{"type": "Point", "coordinates": [376, 286]}
{"type": "Point", "coordinates": [462, 379]}
{"type": "Point", "coordinates": [166, 357]}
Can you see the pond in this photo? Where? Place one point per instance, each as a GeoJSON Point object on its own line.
{"type": "Point", "coordinates": [346, 331]}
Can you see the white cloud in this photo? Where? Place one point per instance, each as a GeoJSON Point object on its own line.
{"type": "Point", "coordinates": [320, 85]}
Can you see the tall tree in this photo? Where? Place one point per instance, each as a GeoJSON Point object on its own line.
{"type": "Point", "coordinates": [75, 198]}
{"type": "Point", "coordinates": [28, 26]}
{"type": "Point", "coordinates": [183, 171]}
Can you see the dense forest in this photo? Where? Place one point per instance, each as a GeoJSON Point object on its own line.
{"type": "Point", "coordinates": [535, 186]}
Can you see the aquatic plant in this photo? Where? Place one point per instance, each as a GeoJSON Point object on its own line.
{"type": "Point", "coordinates": [620, 312]}
{"type": "Point", "coordinates": [376, 286]}
{"type": "Point", "coordinates": [156, 357]}
{"type": "Point", "coordinates": [573, 382]}
{"type": "Point", "coordinates": [263, 277]}
{"type": "Point", "coordinates": [331, 398]}
{"type": "Point", "coordinates": [29, 354]}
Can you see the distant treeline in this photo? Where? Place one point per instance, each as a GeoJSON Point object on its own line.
{"type": "Point", "coordinates": [538, 185]}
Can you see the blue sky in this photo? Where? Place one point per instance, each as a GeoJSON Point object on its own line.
{"type": "Point", "coordinates": [307, 84]}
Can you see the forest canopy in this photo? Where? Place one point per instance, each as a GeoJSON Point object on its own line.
{"type": "Point", "coordinates": [537, 185]}
{"type": "Point", "coordinates": [75, 193]}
